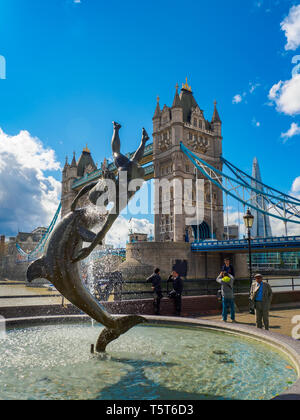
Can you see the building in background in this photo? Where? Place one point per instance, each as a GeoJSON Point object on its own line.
{"type": "Point", "coordinates": [261, 226]}
{"type": "Point", "coordinates": [231, 232]}
{"type": "Point", "coordinates": [138, 237]}
{"type": "Point", "coordinates": [71, 173]}
{"type": "Point", "coordinates": [12, 265]}
{"type": "Point", "coordinates": [184, 122]}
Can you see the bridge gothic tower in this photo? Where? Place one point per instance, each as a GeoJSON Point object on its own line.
{"type": "Point", "coordinates": [70, 174]}
{"type": "Point", "coordinates": [184, 122]}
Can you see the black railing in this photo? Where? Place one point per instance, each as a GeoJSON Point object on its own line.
{"type": "Point", "coordinates": [205, 287]}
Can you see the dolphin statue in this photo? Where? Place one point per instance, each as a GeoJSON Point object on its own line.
{"type": "Point", "coordinates": [64, 247]}
{"type": "Point", "coordinates": [57, 266]}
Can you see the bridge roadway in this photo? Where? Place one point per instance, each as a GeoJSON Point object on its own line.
{"type": "Point", "coordinates": [149, 170]}
{"type": "Point", "coordinates": [261, 245]}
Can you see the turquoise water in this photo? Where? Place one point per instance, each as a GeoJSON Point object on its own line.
{"type": "Point", "coordinates": [54, 362]}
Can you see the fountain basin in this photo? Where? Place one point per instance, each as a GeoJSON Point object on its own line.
{"type": "Point", "coordinates": [170, 359]}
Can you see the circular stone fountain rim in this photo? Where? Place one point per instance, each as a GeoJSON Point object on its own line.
{"type": "Point", "coordinates": [283, 343]}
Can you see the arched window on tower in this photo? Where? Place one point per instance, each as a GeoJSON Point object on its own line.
{"type": "Point", "coordinates": [201, 232]}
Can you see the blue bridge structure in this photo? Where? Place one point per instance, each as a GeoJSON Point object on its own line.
{"type": "Point", "coordinates": [274, 244]}
{"type": "Point", "coordinates": [235, 184]}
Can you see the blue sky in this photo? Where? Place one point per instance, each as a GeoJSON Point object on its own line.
{"type": "Point", "coordinates": [73, 67]}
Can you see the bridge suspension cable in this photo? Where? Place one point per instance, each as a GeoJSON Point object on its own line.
{"type": "Point", "coordinates": [248, 191]}
{"type": "Point", "coordinates": [33, 255]}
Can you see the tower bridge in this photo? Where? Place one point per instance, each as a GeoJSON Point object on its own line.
{"type": "Point", "coordinates": [187, 146]}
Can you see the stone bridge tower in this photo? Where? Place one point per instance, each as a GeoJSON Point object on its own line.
{"type": "Point", "coordinates": [185, 122]}
{"type": "Point", "coordinates": [70, 174]}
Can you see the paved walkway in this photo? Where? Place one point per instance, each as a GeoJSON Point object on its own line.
{"type": "Point", "coordinates": [280, 320]}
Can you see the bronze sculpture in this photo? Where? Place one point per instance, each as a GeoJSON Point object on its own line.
{"type": "Point", "coordinates": [64, 248]}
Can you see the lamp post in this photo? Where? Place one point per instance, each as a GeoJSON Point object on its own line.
{"type": "Point", "coordinates": [248, 220]}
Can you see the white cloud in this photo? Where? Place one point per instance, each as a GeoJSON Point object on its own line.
{"type": "Point", "coordinates": [118, 235]}
{"type": "Point", "coordinates": [291, 27]}
{"type": "Point", "coordinates": [296, 185]}
{"type": "Point", "coordinates": [286, 96]}
{"type": "Point", "coordinates": [274, 90]}
{"type": "Point", "coordinates": [278, 227]}
{"type": "Point", "coordinates": [253, 87]}
{"type": "Point", "coordinates": [256, 123]}
{"type": "Point", "coordinates": [293, 131]}
{"type": "Point", "coordinates": [233, 217]}
{"type": "Point", "coordinates": [28, 196]}
{"type": "Point", "coordinates": [295, 191]}
{"type": "Point", "coordinates": [237, 99]}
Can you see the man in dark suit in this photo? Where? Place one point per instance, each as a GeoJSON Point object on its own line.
{"type": "Point", "coordinates": [155, 279]}
{"type": "Point", "coordinates": [176, 293]}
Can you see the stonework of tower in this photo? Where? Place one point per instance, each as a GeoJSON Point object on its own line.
{"type": "Point", "coordinates": [70, 174]}
{"type": "Point", "coordinates": [184, 122]}
{"type": "Point", "coordinates": [261, 226]}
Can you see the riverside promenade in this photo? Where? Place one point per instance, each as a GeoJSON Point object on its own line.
{"type": "Point", "coordinates": [17, 295]}
{"type": "Point", "coordinates": [13, 293]}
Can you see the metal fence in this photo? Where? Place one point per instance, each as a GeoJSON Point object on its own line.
{"type": "Point", "coordinates": [140, 290]}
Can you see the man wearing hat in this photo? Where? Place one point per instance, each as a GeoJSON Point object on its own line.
{"type": "Point", "coordinates": [261, 297]}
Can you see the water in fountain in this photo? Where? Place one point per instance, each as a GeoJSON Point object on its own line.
{"type": "Point", "coordinates": [54, 362]}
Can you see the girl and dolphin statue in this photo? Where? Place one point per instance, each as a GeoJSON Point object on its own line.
{"type": "Point", "coordinates": [64, 248]}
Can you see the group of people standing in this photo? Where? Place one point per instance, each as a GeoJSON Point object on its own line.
{"type": "Point", "coordinates": [260, 296]}
{"type": "Point", "coordinates": [175, 294]}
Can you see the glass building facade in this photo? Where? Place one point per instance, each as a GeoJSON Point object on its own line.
{"type": "Point", "coordinates": [276, 261]}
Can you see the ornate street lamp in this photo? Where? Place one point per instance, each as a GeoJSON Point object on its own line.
{"type": "Point", "coordinates": [248, 220]}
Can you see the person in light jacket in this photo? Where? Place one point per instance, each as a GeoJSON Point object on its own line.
{"type": "Point", "coordinates": [227, 281]}
{"type": "Point", "coordinates": [261, 298]}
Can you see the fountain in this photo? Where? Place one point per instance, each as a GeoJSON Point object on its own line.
{"type": "Point", "coordinates": [163, 359]}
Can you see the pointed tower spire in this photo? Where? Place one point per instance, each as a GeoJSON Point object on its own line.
{"type": "Point", "coordinates": [86, 149]}
{"type": "Point", "coordinates": [66, 165]}
{"type": "Point", "coordinates": [157, 109]}
{"type": "Point", "coordinates": [216, 117]}
{"type": "Point", "coordinates": [74, 160]}
{"type": "Point", "coordinates": [176, 102]}
{"type": "Point", "coordinates": [186, 86]}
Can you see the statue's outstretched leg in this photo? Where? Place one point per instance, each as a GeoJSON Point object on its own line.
{"type": "Point", "coordinates": [116, 143]}
{"type": "Point", "coordinates": [121, 161]}
{"type": "Point", "coordinates": [141, 150]}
